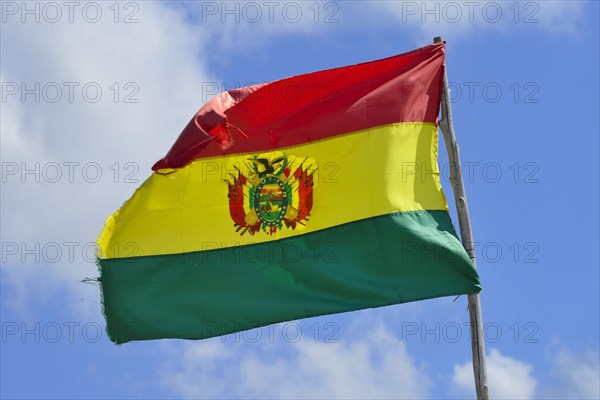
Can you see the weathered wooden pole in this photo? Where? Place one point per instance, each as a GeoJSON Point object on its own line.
{"type": "Point", "coordinates": [460, 198]}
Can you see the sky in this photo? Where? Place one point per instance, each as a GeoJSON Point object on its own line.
{"type": "Point", "coordinates": [93, 93]}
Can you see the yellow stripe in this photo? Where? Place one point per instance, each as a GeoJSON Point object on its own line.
{"type": "Point", "coordinates": [362, 174]}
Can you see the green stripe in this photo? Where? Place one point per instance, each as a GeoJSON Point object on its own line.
{"type": "Point", "coordinates": [369, 263]}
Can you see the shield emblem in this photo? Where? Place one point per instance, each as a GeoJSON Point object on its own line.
{"type": "Point", "coordinates": [265, 195]}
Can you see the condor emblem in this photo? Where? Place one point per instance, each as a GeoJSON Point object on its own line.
{"type": "Point", "coordinates": [270, 193]}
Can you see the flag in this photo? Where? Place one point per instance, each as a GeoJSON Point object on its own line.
{"type": "Point", "coordinates": [306, 196]}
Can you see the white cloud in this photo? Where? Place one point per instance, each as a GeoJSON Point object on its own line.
{"type": "Point", "coordinates": [559, 16]}
{"type": "Point", "coordinates": [44, 132]}
{"type": "Point", "coordinates": [459, 19]}
{"type": "Point", "coordinates": [245, 26]}
{"type": "Point", "coordinates": [508, 378]}
{"type": "Point", "coordinates": [574, 376]}
{"type": "Point", "coordinates": [375, 366]}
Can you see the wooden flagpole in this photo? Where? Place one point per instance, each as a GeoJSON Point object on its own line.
{"type": "Point", "coordinates": [460, 198]}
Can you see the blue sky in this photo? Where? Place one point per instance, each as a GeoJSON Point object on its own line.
{"type": "Point", "coordinates": [525, 89]}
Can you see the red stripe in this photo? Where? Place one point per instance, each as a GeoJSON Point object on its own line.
{"type": "Point", "coordinates": [305, 108]}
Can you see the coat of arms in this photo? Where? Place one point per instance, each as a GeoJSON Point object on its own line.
{"type": "Point", "coordinates": [271, 193]}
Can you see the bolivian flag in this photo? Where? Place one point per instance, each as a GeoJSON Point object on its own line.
{"type": "Point", "coordinates": [311, 195]}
